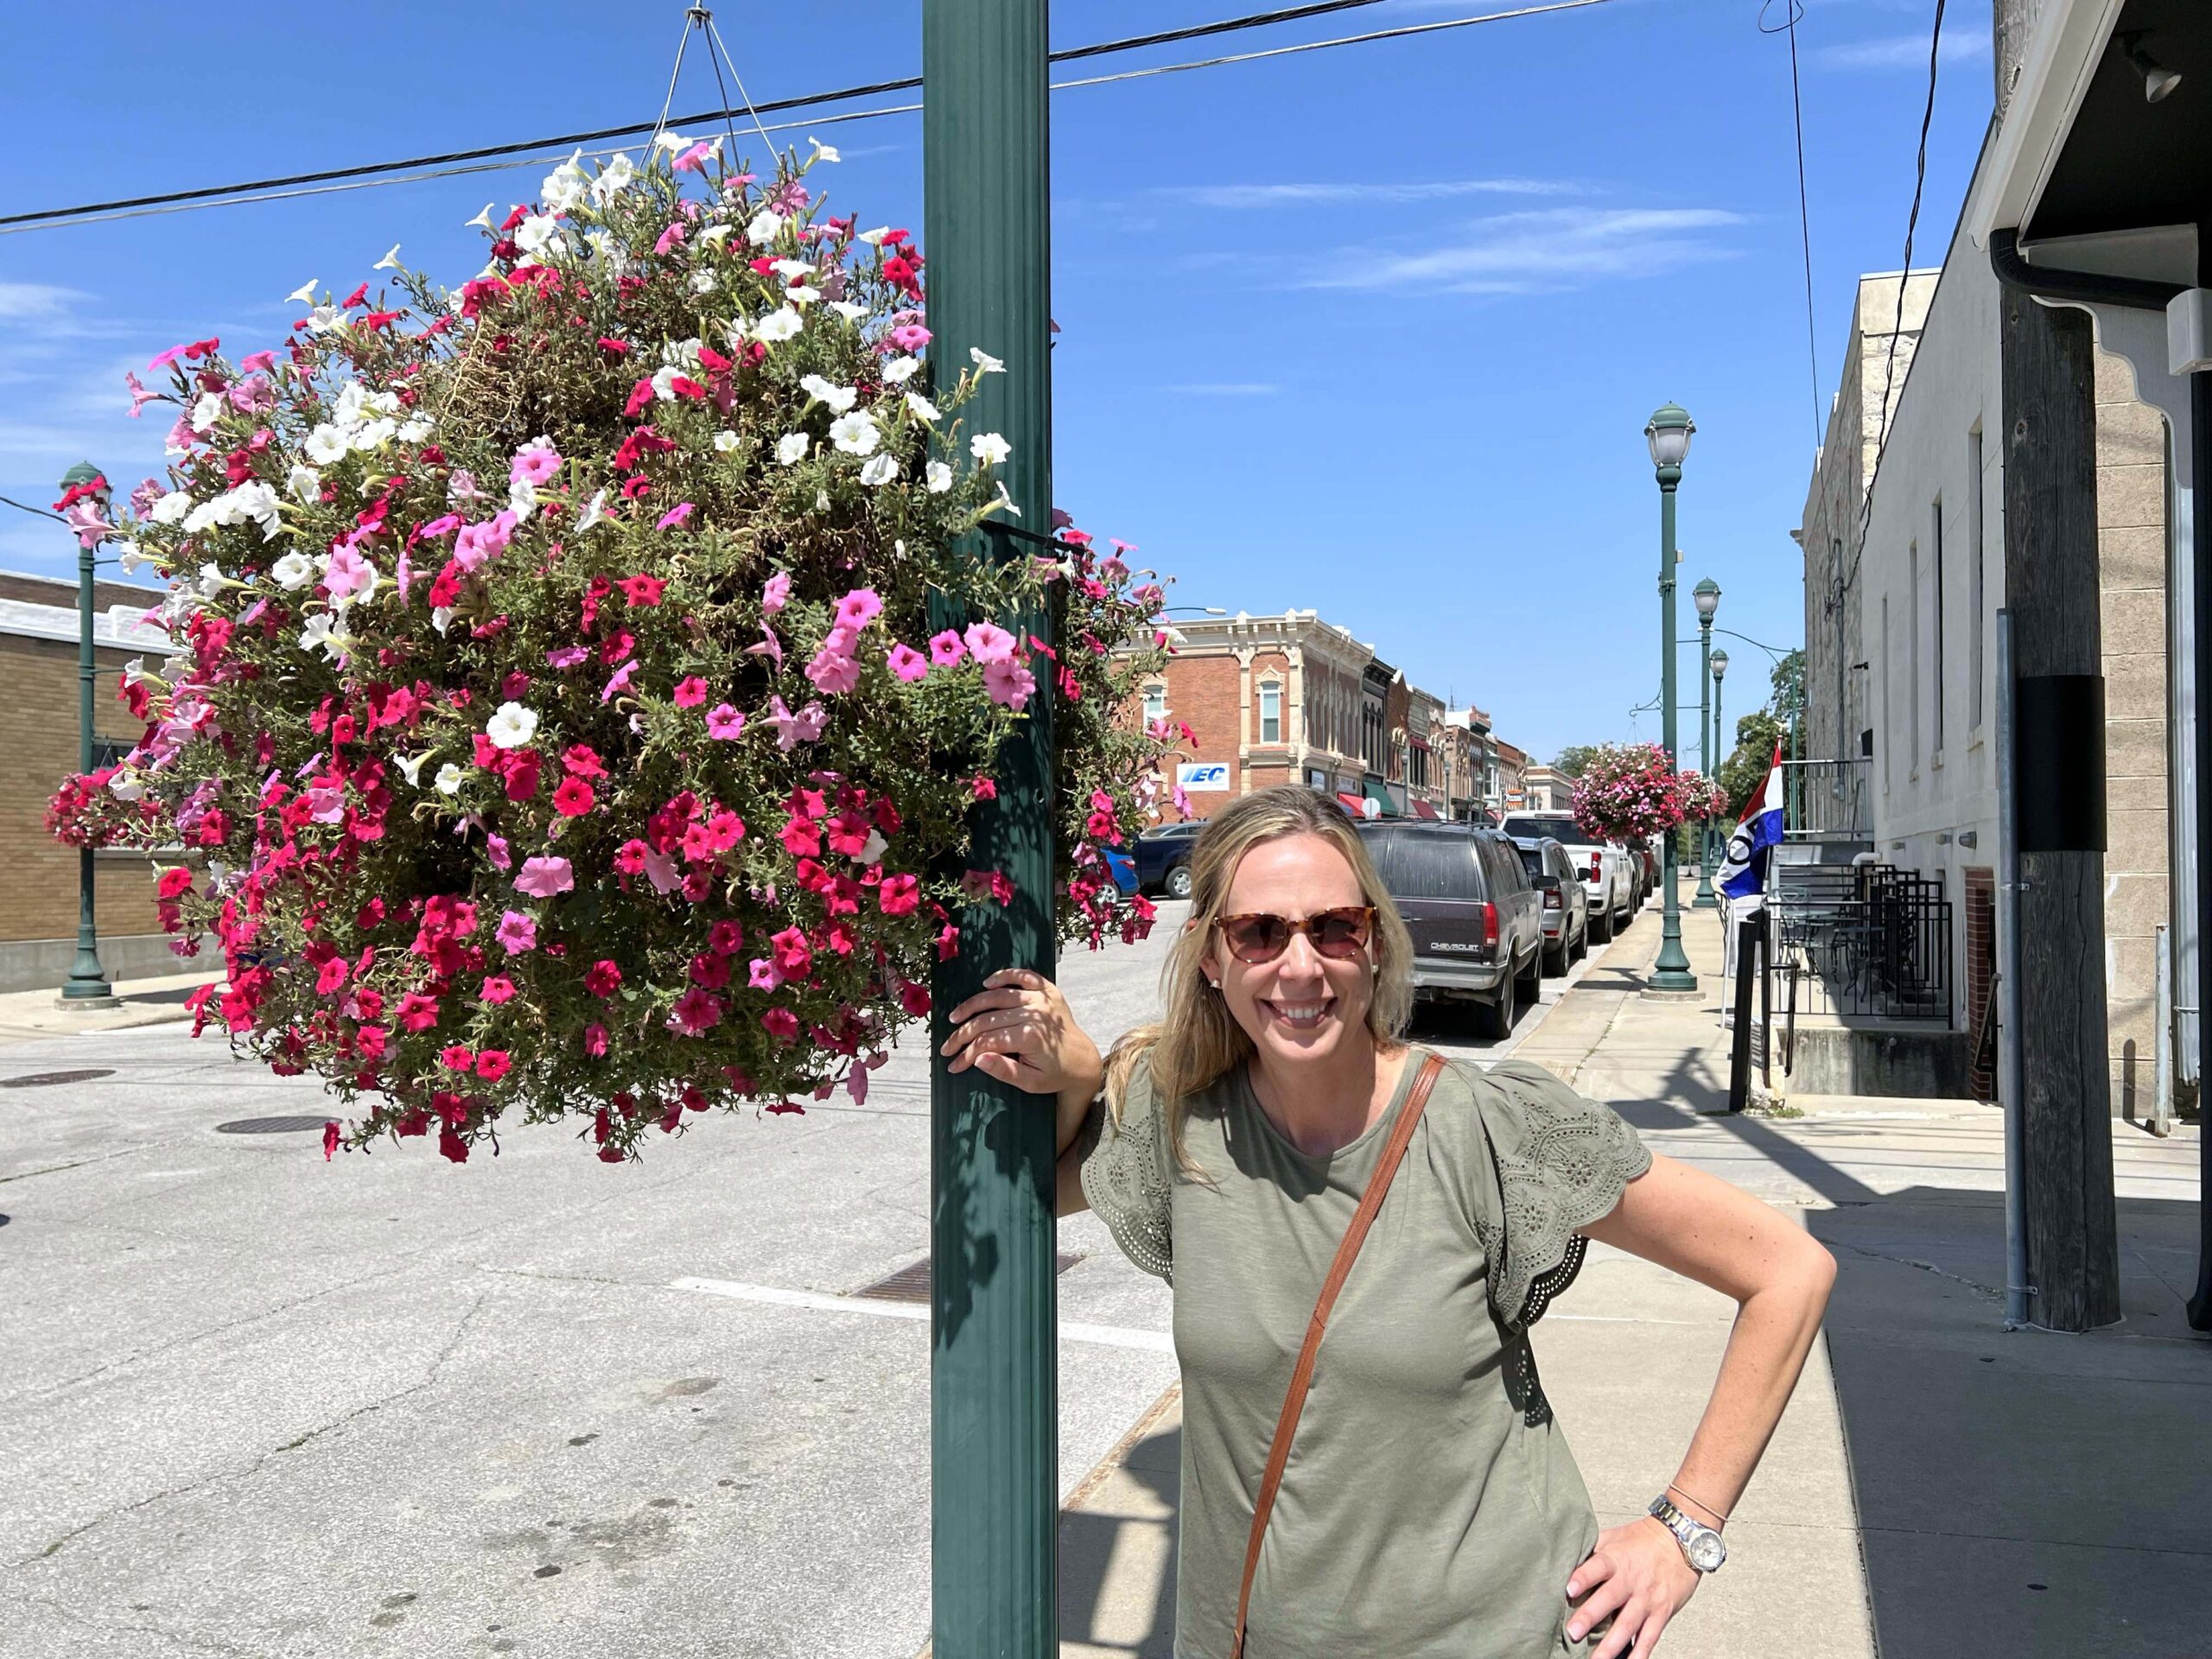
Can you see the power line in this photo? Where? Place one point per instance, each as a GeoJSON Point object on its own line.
{"type": "Point", "coordinates": [1256, 19]}
{"type": "Point", "coordinates": [505, 156]}
{"type": "Point", "coordinates": [1904, 276]}
{"type": "Point", "coordinates": [1804, 217]}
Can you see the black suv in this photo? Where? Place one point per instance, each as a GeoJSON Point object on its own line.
{"type": "Point", "coordinates": [1163, 858]}
{"type": "Point", "coordinates": [1477, 921]}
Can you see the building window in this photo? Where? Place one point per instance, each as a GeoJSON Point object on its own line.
{"type": "Point", "coordinates": [1155, 702]}
{"type": "Point", "coordinates": [1912, 651]}
{"type": "Point", "coordinates": [1976, 594]}
{"type": "Point", "coordinates": [1936, 628]}
{"type": "Point", "coordinates": [1270, 714]}
{"type": "Point", "coordinates": [1887, 731]}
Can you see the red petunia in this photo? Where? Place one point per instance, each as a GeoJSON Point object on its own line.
{"type": "Point", "coordinates": [642, 591]}
{"type": "Point", "coordinates": [492, 1065]}
{"type": "Point", "coordinates": [573, 797]}
{"type": "Point", "coordinates": [603, 979]}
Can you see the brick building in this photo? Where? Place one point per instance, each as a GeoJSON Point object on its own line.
{"type": "Point", "coordinates": [38, 732]}
{"type": "Point", "coordinates": [1512, 776]}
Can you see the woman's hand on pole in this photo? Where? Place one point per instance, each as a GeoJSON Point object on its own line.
{"type": "Point", "coordinates": [1019, 1029]}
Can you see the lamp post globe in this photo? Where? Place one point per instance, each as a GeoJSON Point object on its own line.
{"type": "Point", "coordinates": [87, 981]}
{"type": "Point", "coordinates": [1667, 435]}
{"type": "Point", "coordinates": [1706, 597]}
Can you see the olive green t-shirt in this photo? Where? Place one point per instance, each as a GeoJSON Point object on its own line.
{"type": "Point", "coordinates": [1430, 1506]}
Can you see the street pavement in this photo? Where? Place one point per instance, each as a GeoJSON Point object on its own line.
{"type": "Point", "coordinates": [255, 1404]}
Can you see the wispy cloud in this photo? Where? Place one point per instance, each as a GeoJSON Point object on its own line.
{"type": "Point", "coordinates": [23, 302]}
{"type": "Point", "coordinates": [1545, 250]}
{"type": "Point", "coordinates": [1227, 389]}
{"type": "Point", "coordinates": [1237, 197]}
{"type": "Point", "coordinates": [1903, 51]}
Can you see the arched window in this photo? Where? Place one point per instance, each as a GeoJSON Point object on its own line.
{"type": "Point", "coordinates": [1270, 711]}
{"type": "Point", "coordinates": [1155, 700]}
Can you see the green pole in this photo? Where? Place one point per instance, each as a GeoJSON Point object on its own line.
{"type": "Point", "coordinates": [87, 980]}
{"type": "Point", "coordinates": [994, 1394]}
{"type": "Point", "coordinates": [1671, 972]}
{"type": "Point", "coordinates": [1707, 727]}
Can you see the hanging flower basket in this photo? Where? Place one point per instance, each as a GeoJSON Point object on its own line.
{"type": "Point", "coordinates": [1629, 793]}
{"type": "Point", "coordinates": [579, 699]}
{"type": "Point", "coordinates": [85, 812]}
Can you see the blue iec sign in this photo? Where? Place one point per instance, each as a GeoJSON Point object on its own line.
{"type": "Point", "coordinates": [1202, 774]}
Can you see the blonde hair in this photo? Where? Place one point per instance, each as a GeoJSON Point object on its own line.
{"type": "Point", "coordinates": [1197, 1040]}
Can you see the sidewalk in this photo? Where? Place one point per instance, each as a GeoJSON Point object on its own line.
{"type": "Point", "coordinates": [28, 1014]}
{"type": "Point", "coordinates": [1937, 1487]}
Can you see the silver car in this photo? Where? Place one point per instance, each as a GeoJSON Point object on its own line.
{"type": "Point", "coordinates": [1604, 865]}
{"type": "Point", "coordinates": [1552, 872]}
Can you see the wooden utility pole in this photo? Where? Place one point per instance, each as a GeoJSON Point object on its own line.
{"type": "Point", "coordinates": [2049, 404]}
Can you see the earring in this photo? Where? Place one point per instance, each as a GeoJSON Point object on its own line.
{"type": "Point", "coordinates": [1215, 983]}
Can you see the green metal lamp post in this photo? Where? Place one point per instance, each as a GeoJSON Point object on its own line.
{"type": "Point", "coordinates": [87, 981]}
{"type": "Point", "coordinates": [1719, 829]}
{"type": "Point", "coordinates": [994, 1389]}
{"type": "Point", "coordinates": [1668, 433]}
{"type": "Point", "coordinates": [1706, 597]}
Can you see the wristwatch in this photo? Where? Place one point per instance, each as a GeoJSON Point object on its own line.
{"type": "Point", "coordinates": [1701, 1545]}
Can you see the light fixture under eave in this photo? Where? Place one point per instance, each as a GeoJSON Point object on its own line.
{"type": "Point", "coordinates": [2157, 80]}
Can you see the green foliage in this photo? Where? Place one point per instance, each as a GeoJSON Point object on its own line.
{"type": "Point", "coordinates": [1744, 770]}
{"type": "Point", "coordinates": [1787, 696]}
{"type": "Point", "coordinates": [1574, 760]}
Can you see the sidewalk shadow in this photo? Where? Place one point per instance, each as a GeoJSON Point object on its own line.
{"type": "Point", "coordinates": [2030, 1494]}
{"type": "Point", "coordinates": [1117, 1557]}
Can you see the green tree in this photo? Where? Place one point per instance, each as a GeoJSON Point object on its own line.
{"type": "Point", "coordinates": [1574, 760]}
{"type": "Point", "coordinates": [1744, 770]}
{"type": "Point", "coordinates": [1788, 698]}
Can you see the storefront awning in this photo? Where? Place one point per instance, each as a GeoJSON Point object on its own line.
{"type": "Point", "coordinates": [1423, 810]}
{"type": "Point", "coordinates": [1380, 794]}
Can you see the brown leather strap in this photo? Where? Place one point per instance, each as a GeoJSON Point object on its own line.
{"type": "Point", "coordinates": [1293, 1402]}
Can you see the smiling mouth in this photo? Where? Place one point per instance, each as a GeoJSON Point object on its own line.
{"type": "Point", "coordinates": [1300, 1016]}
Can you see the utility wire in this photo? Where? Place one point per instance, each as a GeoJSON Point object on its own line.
{"type": "Point", "coordinates": [1889, 363]}
{"type": "Point", "coordinates": [1804, 217]}
{"type": "Point", "coordinates": [36, 512]}
{"type": "Point", "coordinates": [463, 162]}
{"type": "Point", "coordinates": [1256, 19]}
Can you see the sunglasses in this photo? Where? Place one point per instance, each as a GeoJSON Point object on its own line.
{"type": "Point", "coordinates": [1258, 937]}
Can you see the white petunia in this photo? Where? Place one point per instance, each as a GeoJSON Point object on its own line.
{"type": "Point", "coordinates": [790, 268]}
{"type": "Point", "coordinates": [1006, 501]}
{"type": "Point", "coordinates": [613, 178]}
{"type": "Point", "coordinates": [390, 262]}
{"type": "Point", "coordinates": [840, 399]}
{"type": "Point", "coordinates": [670, 141]}
{"type": "Point", "coordinates": [879, 469]}
{"type": "Point", "coordinates": [442, 617]}
{"type": "Point", "coordinates": [482, 221]}
{"type": "Point", "coordinates": [726, 441]}
{"type": "Point", "coordinates": [207, 411]}
{"type": "Point", "coordinates": [510, 725]}
{"type": "Point", "coordinates": [416, 428]}
{"type": "Point", "coordinates": [322, 634]}
{"type": "Point", "coordinates": [874, 238]}
{"type": "Point", "coordinates": [594, 510]}
{"type": "Point", "coordinates": [304, 483]}
{"type": "Point", "coordinates": [922, 406]}
{"type": "Point", "coordinates": [293, 572]}
{"type": "Point", "coordinates": [799, 294]}
{"type": "Point", "coordinates": [566, 187]}
{"type": "Point", "coordinates": [326, 320]}
{"type": "Point", "coordinates": [937, 476]}
{"type": "Point", "coordinates": [778, 325]}
{"type": "Point", "coordinates": [899, 370]}
{"type": "Point", "coordinates": [764, 225]}
{"type": "Point", "coordinates": [536, 234]}
{"type": "Point", "coordinates": [327, 444]}
{"type": "Point", "coordinates": [129, 556]}
{"type": "Point", "coordinates": [792, 447]}
{"type": "Point", "coordinates": [448, 781]}
{"type": "Point", "coordinates": [522, 499]}
{"type": "Point", "coordinates": [849, 310]}
{"type": "Point", "coordinates": [377, 434]}
{"type": "Point", "coordinates": [663, 382]}
{"type": "Point", "coordinates": [989, 448]}
{"type": "Point", "coordinates": [412, 769]}
{"type": "Point", "coordinates": [855, 434]}
{"type": "Point", "coordinates": [704, 280]}
{"type": "Point", "coordinates": [714, 235]}
{"type": "Point", "coordinates": [985, 363]}
{"type": "Point", "coordinates": [822, 152]}
{"type": "Point", "coordinates": [304, 294]}
{"type": "Point", "coordinates": [172, 507]}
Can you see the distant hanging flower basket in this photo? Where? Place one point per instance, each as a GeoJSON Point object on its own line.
{"type": "Point", "coordinates": [569, 702]}
{"type": "Point", "coordinates": [1628, 793]}
{"type": "Point", "coordinates": [85, 812]}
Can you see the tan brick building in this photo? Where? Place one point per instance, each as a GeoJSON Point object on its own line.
{"type": "Point", "coordinates": [38, 733]}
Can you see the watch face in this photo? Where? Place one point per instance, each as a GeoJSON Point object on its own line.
{"type": "Point", "coordinates": [1707, 1551]}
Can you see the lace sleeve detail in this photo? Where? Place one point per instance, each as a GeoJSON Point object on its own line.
{"type": "Point", "coordinates": [1128, 1176]}
{"type": "Point", "coordinates": [1562, 1162]}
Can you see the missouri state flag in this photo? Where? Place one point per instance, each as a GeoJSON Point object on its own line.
{"type": "Point", "coordinates": [1743, 871]}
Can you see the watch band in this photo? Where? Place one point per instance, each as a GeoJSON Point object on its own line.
{"type": "Point", "coordinates": [1701, 1546]}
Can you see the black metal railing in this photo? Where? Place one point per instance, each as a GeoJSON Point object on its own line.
{"type": "Point", "coordinates": [1862, 939]}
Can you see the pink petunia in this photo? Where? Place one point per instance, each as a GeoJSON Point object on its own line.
{"type": "Point", "coordinates": [775, 593]}
{"type": "Point", "coordinates": [534, 465]}
{"type": "Point", "coordinates": [858, 608]}
{"type": "Point", "coordinates": [674, 517]}
{"type": "Point", "coordinates": [698, 1009]}
{"type": "Point", "coordinates": [568, 655]}
{"type": "Point", "coordinates": [516, 932]}
{"type": "Point", "coordinates": [780, 1023]}
{"type": "Point", "coordinates": [498, 988]}
{"type": "Point", "coordinates": [541, 878]}
{"type": "Point", "coordinates": [724, 722]}
{"type": "Point", "coordinates": [1009, 684]}
{"type": "Point", "coordinates": [990, 642]}
{"type": "Point", "coordinates": [619, 682]}
{"type": "Point", "coordinates": [946, 649]}
{"type": "Point", "coordinates": [691, 692]}
{"type": "Point", "coordinates": [766, 975]}
{"type": "Point", "coordinates": [832, 671]}
{"type": "Point", "coordinates": [907, 663]}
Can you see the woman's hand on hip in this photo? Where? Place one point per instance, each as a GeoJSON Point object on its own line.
{"type": "Point", "coordinates": [1019, 1030]}
{"type": "Point", "coordinates": [1637, 1574]}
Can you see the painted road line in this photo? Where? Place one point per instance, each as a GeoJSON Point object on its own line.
{"type": "Point", "coordinates": [1110, 1336]}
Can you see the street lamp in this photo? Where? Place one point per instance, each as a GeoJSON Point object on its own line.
{"type": "Point", "coordinates": [1668, 433]}
{"type": "Point", "coordinates": [1706, 596]}
{"type": "Point", "coordinates": [1719, 667]}
{"type": "Point", "coordinates": [87, 981]}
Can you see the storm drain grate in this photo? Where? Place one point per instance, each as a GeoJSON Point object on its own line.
{"type": "Point", "coordinates": [50, 1079]}
{"type": "Point", "coordinates": [270, 1125]}
{"type": "Point", "coordinates": [912, 1284]}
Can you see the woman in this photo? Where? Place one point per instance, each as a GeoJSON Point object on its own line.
{"type": "Point", "coordinates": [1428, 1505]}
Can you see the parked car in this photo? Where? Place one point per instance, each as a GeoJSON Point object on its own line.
{"type": "Point", "coordinates": [1606, 868]}
{"type": "Point", "coordinates": [1477, 921]}
{"type": "Point", "coordinates": [1163, 858]}
{"type": "Point", "coordinates": [1123, 867]}
{"type": "Point", "coordinates": [1552, 872]}
{"type": "Point", "coordinates": [1649, 852]}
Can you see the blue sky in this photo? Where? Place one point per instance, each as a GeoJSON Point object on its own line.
{"type": "Point", "coordinates": [1373, 330]}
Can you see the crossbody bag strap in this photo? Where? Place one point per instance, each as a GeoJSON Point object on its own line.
{"type": "Point", "coordinates": [1293, 1402]}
